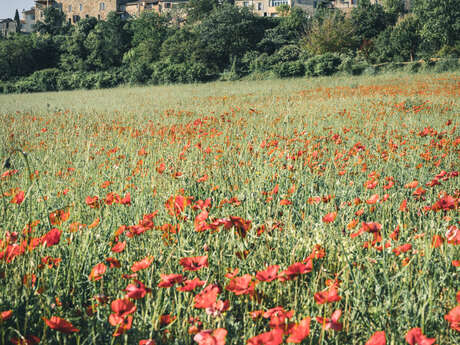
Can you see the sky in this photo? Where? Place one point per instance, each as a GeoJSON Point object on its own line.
{"type": "Point", "coordinates": [8, 7]}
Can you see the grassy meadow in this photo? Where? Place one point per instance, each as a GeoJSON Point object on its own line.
{"type": "Point", "coordinates": [320, 211]}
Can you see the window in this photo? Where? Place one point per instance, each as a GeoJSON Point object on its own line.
{"type": "Point", "coordinates": [70, 8]}
{"type": "Point", "coordinates": [81, 7]}
{"type": "Point", "coordinates": [260, 6]}
{"type": "Point", "coordinates": [101, 6]}
{"type": "Point", "coordinates": [246, 4]}
{"type": "Point", "coordinates": [275, 3]}
{"type": "Point", "coordinates": [76, 19]}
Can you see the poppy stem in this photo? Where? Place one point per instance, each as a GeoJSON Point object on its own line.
{"type": "Point", "coordinates": [354, 280]}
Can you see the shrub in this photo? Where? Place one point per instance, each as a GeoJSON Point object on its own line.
{"type": "Point", "coordinates": [322, 65]}
{"type": "Point", "coordinates": [353, 65]}
{"type": "Point", "coordinates": [289, 69]}
{"type": "Point", "coordinates": [445, 65]}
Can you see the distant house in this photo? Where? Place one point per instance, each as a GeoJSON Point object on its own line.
{"type": "Point", "coordinates": [268, 7]}
{"type": "Point", "coordinates": [7, 27]}
{"type": "Point", "coordinates": [76, 10]}
{"type": "Point", "coordinates": [28, 20]}
{"type": "Point", "coordinates": [265, 8]}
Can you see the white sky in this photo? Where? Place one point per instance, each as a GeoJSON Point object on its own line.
{"type": "Point", "coordinates": [8, 7]}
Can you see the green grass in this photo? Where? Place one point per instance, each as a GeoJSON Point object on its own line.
{"type": "Point", "coordinates": [325, 137]}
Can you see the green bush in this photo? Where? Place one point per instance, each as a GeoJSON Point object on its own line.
{"type": "Point", "coordinates": [165, 72]}
{"type": "Point", "coordinates": [412, 67]}
{"type": "Point", "coordinates": [289, 69]}
{"type": "Point", "coordinates": [446, 65]}
{"type": "Point", "coordinates": [322, 65]}
{"type": "Point", "coordinates": [352, 65]}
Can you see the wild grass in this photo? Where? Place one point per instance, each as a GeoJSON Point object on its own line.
{"type": "Point", "coordinates": [323, 141]}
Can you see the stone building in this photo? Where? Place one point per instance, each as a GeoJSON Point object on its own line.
{"type": "Point", "coordinates": [79, 9]}
{"type": "Point", "coordinates": [268, 7]}
{"type": "Point", "coordinates": [7, 27]}
{"type": "Point", "coordinates": [28, 20]}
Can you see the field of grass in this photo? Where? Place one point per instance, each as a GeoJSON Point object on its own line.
{"type": "Point", "coordinates": [318, 211]}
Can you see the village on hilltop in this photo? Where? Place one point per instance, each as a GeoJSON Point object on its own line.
{"type": "Point", "coordinates": [75, 10]}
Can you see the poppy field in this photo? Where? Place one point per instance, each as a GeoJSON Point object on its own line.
{"type": "Point", "coordinates": [317, 211]}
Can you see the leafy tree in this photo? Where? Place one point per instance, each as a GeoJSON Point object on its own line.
{"type": "Point", "coordinates": [18, 21]}
{"type": "Point", "coordinates": [382, 47]}
{"type": "Point", "coordinates": [107, 43]}
{"type": "Point", "coordinates": [200, 9]}
{"type": "Point", "coordinates": [368, 20]}
{"type": "Point", "coordinates": [148, 33]}
{"type": "Point", "coordinates": [54, 22]}
{"type": "Point", "coordinates": [405, 39]}
{"type": "Point", "coordinates": [23, 54]}
{"type": "Point", "coordinates": [228, 32]}
{"type": "Point", "coordinates": [74, 51]}
{"type": "Point", "coordinates": [181, 46]}
{"type": "Point", "coordinates": [394, 9]}
{"type": "Point", "coordinates": [333, 33]}
{"type": "Point", "coordinates": [289, 30]}
{"type": "Point", "coordinates": [440, 23]}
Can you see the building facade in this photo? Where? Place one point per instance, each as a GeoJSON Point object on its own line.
{"type": "Point", "coordinates": [28, 20]}
{"type": "Point", "coordinates": [7, 26]}
{"type": "Point", "coordinates": [76, 10]}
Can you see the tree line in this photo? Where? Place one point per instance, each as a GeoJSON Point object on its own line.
{"type": "Point", "coordinates": [222, 41]}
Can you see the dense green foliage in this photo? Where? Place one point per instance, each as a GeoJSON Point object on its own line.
{"type": "Point", "coordinates": [222, 41]}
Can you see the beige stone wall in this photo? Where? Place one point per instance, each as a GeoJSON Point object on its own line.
{"type": "Point", "coordinates": [264, 8]}
{"type": "Point", "coordinates": [87, 8]}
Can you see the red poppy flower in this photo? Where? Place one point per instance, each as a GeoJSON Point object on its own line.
{"type": "Point", "coordinates": [60, 325]}
{"type": "Point", "coordinates": [97, 272]}
{"type": "Point", "coordinates": [333, 322]}
{"type": "Point", "coordinates": [5, 315]}
{"type": "Point", "coordinates": [92, 201]}
{"type": "Point", "coordinates": [114, 263]}
{"type": "Point", "coordinates": [402, 249]}
{"type": "Point", "coordinates": [147, 342]}
{"type": "Point", "coordinates": [126, 199]}
{"type": "Point", "coordinates": [330, 217]}
{"type": "Point", "coordinates": [269, 274]}
{"type": "Point", "coordinates": [194, 263]}
{"type": "Point", "coordinates": [211, 337]}
{"type": "Point", "coordinates": [207, 297]}
{"type": "Point", "coordinates": [295, 270]}
{"type": "Point", "coordinates": [123, 307]}
{"type": "Point", "coordinates": [453, 317]}
{"type": "Point", "coordinates": [217, 308]}
{"type": "Point", "coordinates": [328, 296]}
{"type": "Point", "coordinates": [416, 337]}
{"type": "Point", "coordinates": [373, 199]}
{"type": "Point", "coordinates": [437, 241]}
{"type": "Point", "coordinates": [412, 184]}
{"type": "Point", "coordinates": [119, 247]}
{"type": "Point", "coordinates": [200, 222]}
{"type": "Point", "coordinates": [378, 338]}
{"type": "Point", "coordinates": [18, 198]}
{"type": "Point", "coordinates": [143, 264]}
{"type": "Point", "coordinates": [274, 337]}
{"type": "Point", "coordinates": [241, 285]}
{"type": "Point", "coordinates": [300, 331]}
{"type": "Point", "coordinates": [190, 285]}
{"type": "Point", "coordinates": [136, 290]}
{"type": "Point", "coordinates": [122, 324]}
{"type": "Point", "coordinates": [52, 237]}
{"type": "Point", "coordinates": [168, 280]}
{"type": "Point", "coordinates": [403, 206]}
